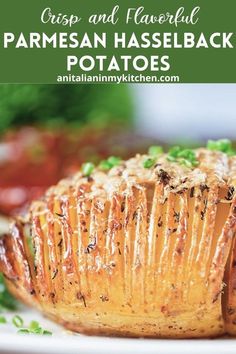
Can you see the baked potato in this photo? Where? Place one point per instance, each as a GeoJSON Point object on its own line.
{"type": "Point", "coordinates": [144, 249]}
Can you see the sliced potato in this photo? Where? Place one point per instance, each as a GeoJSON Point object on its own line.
{"type": "Point", "coordinates": [132, 252]}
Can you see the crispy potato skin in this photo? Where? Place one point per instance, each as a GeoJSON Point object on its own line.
{"type": "Point", "coordinates": [230, 295]}
{"type": "Point", "coordinates": [136, 256]}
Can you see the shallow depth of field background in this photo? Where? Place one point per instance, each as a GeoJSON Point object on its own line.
{"type": "Point", "coordinates": [55, 128]}
{"type": "Point", "coordinates": [166, 112]}
{"type": "Point", "coordinates": [186, 112]}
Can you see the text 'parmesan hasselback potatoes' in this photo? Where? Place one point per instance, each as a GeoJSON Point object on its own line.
{"type": "Point", "coordinates": [146, 248]}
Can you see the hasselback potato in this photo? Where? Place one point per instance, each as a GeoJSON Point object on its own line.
{"type": "Point", "coordinates": [146, 248]}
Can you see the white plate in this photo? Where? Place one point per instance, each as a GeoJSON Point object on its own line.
{"type": "Point", "coordinates": [65, 342]}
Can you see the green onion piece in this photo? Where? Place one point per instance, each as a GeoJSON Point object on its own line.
{"type": "Point", "coordinates": [6, 300]}
{"type": "Point", "coordinates": [87, 168]}
{"type": "Point", "coordinates": [23, 331]}
{"type": "Point", "coordinates": [231, 152]}
{"type": "Point", "coordinates": [37, 330]}
{"type": "Point", "coordinates": [185, 162]}
{"type": "Point", "coordinates": [186, 157]}
{"type": "Point", "coordinates": [34, 325]}
{"type": "Point", "coordinates": [224, 145]}
{"type": "Point", "coordinates": [174, 151]}
{"type": "Point", "coordinates": [155, 150]}
{"type": "Point", "coordinates": [105, 165]}
{"type": "Point", "coordinates": [187, 154]}
{"type": "Point", "coordinates": [171, 158]}
{"type": "Point", "coordinates": [114, 160]}
{"type": "Point", "coordinates": [149, 163]}
{"type": "Point", "coordinates": [17, 321]}
{"type": "Point", "coordinates": [3, 319]}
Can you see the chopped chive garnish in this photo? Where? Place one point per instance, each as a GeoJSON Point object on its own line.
{"type": "Point", "coordinates": [33, 325]}
{"type": "Point", "coordinates": [6, 300]}
{"type": "Point", "coordinates": [171, 158]}
{"type": "Point", "coordinates": [185, 157]}
{"type": "Point", "coordinates": [33, 328]}
{"type": "Point", "coordinates": [23, 331]}
{"type": "Point", "coordinates": [3, 319]}
{"type": "Point", "coordinates": [174, 151]}
{"type": "Point", "coordinates": [155, 150]}
{"type": "Point", "coordinates": [185, 162]}
{"type": "Point", "coordinates": [224, 145]}
{"type": "Point", "coordinates": [17, 321]}
{"type": "Point", "coordinates": [112, 161]}
{"type": "Point", "coordinates": [188, 155]}
{"type": "Point", "coordinates": [87, 168]}
{"type": "Point", "coordinates": [37, 330]}
{"type": "Point", "coordinates": [149, 163]}
{"type": "Point", "coordinates": [105, 165]}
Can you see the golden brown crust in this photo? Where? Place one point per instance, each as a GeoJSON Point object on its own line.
{"type": "Point", "coordinates": [132, 252]}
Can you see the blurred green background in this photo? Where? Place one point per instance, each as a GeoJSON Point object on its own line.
{"type": "Point", "coordinates": [57, 104]}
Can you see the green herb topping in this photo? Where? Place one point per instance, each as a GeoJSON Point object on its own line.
{"type": "Point", "coordinates": [155, 150]}
{"type": "Point", "coordinates": [174, 152]}
{"type": "Point", "coordinates": [33, 325]}
{"type": "Point", "coordinates": [23, 331]}
{"type": "Point", "coordinates": [3, 319]}
{"type": "Point", "coordinates": [112, 161]}
{"type": "Point", "coordinates": [46, 333]}
{"type": "Point", "coordinates": [224, 145]}
{"type": "Point", "coordinates": [17, 321]}
{"type": "Point", "coordinates": [6, 300]}
{"type": "Point", "coordinates": [34, 328]}
{"type": "Point", "coordinates": [148, 163]}
{"type": "Point", "coordinates": [87, 169]}
{"type": "Point", "coordinates": [186, 157]}
{"type": "Point", "coordinates": [104, 165]}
